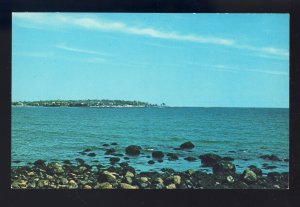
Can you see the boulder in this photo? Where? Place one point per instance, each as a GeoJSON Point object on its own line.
{"type": "Point", "coordinates": [271, 157]}
{"type": "Point", "coordinates": [133, 150]}
{"type": "Point", "coordinates": [151, 162]}
{"type": "Point", "coordinates": [105, 185]}
{"type": "Point", "coordinates": [91, 154]}
{"type": "Point", "coordinates": [256, 170]}
{"type": "Point", "coordinates": [187, 145]}
{"type": "Point", "coordinates": [80, 161]}
{"type": "Point", "coordinates": [39, 163]}
{"type": "Point", "coordinates": [110, 151]}
{"type": "Point", "coordinates": [190, 159]}
{"type": "Point", "coordinates": [209, 159]}
{"type": "Point", "coordinates": [55, 168]}
{"type": "Point", "coordinates": [114, 160]}
{"type": "Point", "coordinates": [127, 186]}
{"type": "Point", "coordinates": [230, 179]}
{"type": "Point", "coordinates": [114, 143]}
{"type": "Point", "coordinates": [249, 176]}
{"type": "Point", "coordinates": [105, 145]}
{"type": "Point", "coordinates": [67, 162]}
{"type": "Point", "coordinates": [224, 167]}
{"type": "Point", "coordinates": [87, 150]}
{"type": "Point", "coordinates": [106, 177]}
{"type": "Point", "coordinates": [157, 154]}
{"type": "Point", "coordinates": [228, 159]}
{"type": "Point", "coordinates": [172, 156]}
{"type": "Point", "coordinates": [175, 179]}
{"type": "Point", "coordinates": [171, 186]}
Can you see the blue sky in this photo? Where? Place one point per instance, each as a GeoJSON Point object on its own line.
{"type": "Point", "coordinates": [209, 60]}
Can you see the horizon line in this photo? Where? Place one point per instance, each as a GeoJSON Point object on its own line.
{"type": "Point", "coordinates": [167, 106]}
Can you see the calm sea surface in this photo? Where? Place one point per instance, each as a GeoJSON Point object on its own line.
{"type": "Point", "coordinates": [57, 134]}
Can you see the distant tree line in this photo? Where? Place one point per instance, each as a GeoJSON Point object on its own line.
{"type": "Point", "coordinates": [86, 103]}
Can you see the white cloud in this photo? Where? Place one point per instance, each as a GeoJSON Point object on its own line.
{"type": "Point", "coordinates": [229, 68]}
{"type": "Point", "coordinates": [58, 19]}
{"type": "Point", "coordinates": [78, 50]}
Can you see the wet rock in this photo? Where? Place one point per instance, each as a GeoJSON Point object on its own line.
{"type": "Point", "coordinates": [159, 180]}
{"type": "Point", "coordinates": [114, 160]}
{"type": "Point", "coordinates": [91, 154]}
{"type": "Point", "coordinates": [160, 160]}
{"type": "Point", "coordinates": [39, 164]}
{"type": "Point", "coordinates": [133, 150]}
{"type": "Point", "coordinates": [128, 168]}
{"type": "Point", "coordinates": [151, 162]}
{"type": "Point", "coordinates": [118, 155]}
{"type": "Point", "coordinates": [224, 167]}
{"type": "Point", "coordinates": [230, 159]}
{"type": "Point", "coordinates": [55, 168]}
{"type": "Point", "coordinates": [16, 161]}
{"type": "Point", "coordinates": [110, 151]}
{"type": "Point", "coordinates": [64, 181]}
{"type": "Point", "coordinates": [80, 161]}
{"type": "Point", "coordinates": [269, 167]}
{"type": "Point", "coordinates": [105, 145]}
{"type": "Point", "coordinates": [168, 170]}
{"type": "Point", "coordinates": [15, 184]}
{"type": "Point", "coordinates": [87, 150]}
{"type": "Point", "coordinates": [177, 148]}
{"type": "Point", "coordinates": [114, 143]}
{"type": "Point", "coordinates": [249, 176]}
{"type": "Point", "coordinates": [187, 145]}
{"type": "Point", "coordinates": [42, 183]}
{"type": "Point", "coordinates": [67, 162]}
{"type": "Point", "coordinates": [270, 157]}
{"type": "Point", "coordinates": [190, 159]}
{"type": "Point", "coordinates": [171, 186]}
{"type": "Point", "coordinates": [127, 186]}
{"type": "Point", "coordinates": [176, 179]}
{"type": "Point", "coordinates": [126, 158]}
{"type": "Point", "coordinates": [144, 179]}
{"type": "Point", "coordinates": [129, 174]}
{"type": "Point", "coordinates": [230, 179]}
{"type": "Point", "coordinates": [106, 177]}
{"type": "Point", "coordinates": [72, 184]}
{"type": "Point", "coordinates": [30, 173]}
{"type": "Point", "coordinates": [123, 164]}
{"type": "Point", "coordinates": [286, 160]}
{"type": "Point", "coordinates": [157, 154]}
{"type": "Point", "coordinates": [256, 170]}
{"type": "Point", "coordinates": [209, 159]}
{"type": "Point", "coordinates": [105, 185]}
{"type": "Point", "coordinates": [172, 156]}
{"type": "Point", "coordinates": [87, 187]}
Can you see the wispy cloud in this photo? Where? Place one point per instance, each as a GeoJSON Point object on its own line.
{"type": "Point", "coordinates": [103, 25]}
{"type": "Point", "coordinates": [235, 69]}
{"type": "Point", "coordinates": [62, 46]}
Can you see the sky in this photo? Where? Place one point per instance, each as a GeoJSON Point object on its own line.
{"type": "Point", "coordinates": [196, 60]}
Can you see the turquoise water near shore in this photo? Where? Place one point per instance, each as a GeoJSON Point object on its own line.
{"type": "Point", "coordinates": [57, 134]}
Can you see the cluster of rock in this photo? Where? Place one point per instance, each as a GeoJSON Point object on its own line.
{"type": "Point", "coordinates": [120, 175]}
{"type": "Point", "coordinates": [66, 176]}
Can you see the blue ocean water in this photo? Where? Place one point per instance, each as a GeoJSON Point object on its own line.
{"type": "Point", "coordinates": [57, 134]}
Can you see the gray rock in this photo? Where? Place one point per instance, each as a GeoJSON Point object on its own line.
{"type": "Point", "coordinates": [133, 150]}
{"type": "Point", "coordinates": [187, 145]}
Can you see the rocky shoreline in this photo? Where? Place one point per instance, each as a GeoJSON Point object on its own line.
{"type": "Point", "coordinates": [120, 175]}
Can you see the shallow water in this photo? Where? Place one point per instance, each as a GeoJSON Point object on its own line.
{"type": "Point", "coordinates": [56, 134]}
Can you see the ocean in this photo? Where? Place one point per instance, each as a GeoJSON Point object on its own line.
{"type": "Point", "coordinates": [60, 133]}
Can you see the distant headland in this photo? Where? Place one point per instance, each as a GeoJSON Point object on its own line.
{"type": "Point", "coordinates": [104, 103]}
